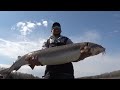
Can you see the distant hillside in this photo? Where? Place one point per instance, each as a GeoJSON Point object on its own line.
{"type": "Point", "coordinates": [18, 75]}
{"type": "Point", "coordinates": [110, 75]}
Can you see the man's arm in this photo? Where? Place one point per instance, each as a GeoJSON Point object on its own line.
{"type": "Point", "coordinates": [69, 41]}
{"type": "Point", "coordinates": [45, 45]}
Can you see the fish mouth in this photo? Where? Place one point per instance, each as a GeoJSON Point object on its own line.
{"type": "Point", "coordinates": [97, 50]}
{"type": "Point", "coordinates": [1, 76]}
{"type": "Point", "coordinates": [103, 51]}
{"type": "Point", "coordinates": [4, 73]}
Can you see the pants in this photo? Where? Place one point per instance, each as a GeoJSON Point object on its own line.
{"type": "Point", "coordinates": [58, 76]}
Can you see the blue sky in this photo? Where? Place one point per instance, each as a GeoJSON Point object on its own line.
{"type": "Point", "coordinates": [25, 31]}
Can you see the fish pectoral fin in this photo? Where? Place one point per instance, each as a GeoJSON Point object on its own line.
{"type": "Point", "coordinates": [32, 66]}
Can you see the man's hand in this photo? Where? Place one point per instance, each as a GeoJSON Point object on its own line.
{"type": "Point", "coordinates": [84, 52]}
{"type": "Point", "coordinates": [33, 60]}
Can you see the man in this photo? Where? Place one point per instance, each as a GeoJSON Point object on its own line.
{"type": "Point", "coordinates": [62, 71]}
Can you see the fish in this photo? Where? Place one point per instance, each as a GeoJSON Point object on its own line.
{"type": "Point", "coordinates": [55, 55]}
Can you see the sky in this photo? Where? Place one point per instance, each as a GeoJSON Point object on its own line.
{"type": "Point", "coordinates": [25, 31]}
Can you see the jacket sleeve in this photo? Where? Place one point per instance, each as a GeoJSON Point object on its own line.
{"type": "Point", "coordinates": [69, 41]}
{"type": "Point", "coordinates": [45, 45]}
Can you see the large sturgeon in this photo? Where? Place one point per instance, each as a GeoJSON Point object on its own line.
{"type": "Point", "coordinates": [55, 55]}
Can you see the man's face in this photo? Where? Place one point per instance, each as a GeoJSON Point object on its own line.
{"type": "Point", "coordinates": [56, 30]}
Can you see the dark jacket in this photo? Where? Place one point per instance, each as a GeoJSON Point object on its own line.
{"type": "Point", "coordinates": [62, 71]}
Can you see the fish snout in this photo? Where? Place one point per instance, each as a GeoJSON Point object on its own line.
{"type": "Point", "coordinates": [103, 50]}
{"type": "Point", "coordinates": [1, 76]}
{"type": "Point", "coordinates": [97, 50]}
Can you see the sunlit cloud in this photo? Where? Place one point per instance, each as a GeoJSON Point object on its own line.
{"type": "Point", "coordinates": [116, 31]}
{"type": "Point", "coordinates": [45, 23]}
{"type": "Point", "coordinates": [37, 71]}
{"type": "Point", "coordinates": [14, 49]}
{"type": "Point", "coordinates": [38, 23]}
{"type": "Point", "coordinates": [91, 36]}
{"type": "Point", "coordinates": [27, 27]}
{"type": "Point", "coordinates": [96, 65]}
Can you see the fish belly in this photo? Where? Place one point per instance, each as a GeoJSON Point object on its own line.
{"type": "Point", "coordinates": [60, 57]}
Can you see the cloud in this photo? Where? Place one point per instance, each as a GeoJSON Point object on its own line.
{"type": "Point", "coordinates": [14, 49]}
{"type": "Point", "coordinates": [39, 23]}
{"type": "Point", "coordinates": [114, 31]}
{"type": "Point", "coordinates": [92, 36]}
{"type": "Point", "coordinates": [4, 65]}
{"type": "Point", "coordinates": [37, 71]}
{"type": "Point", "coordinates": [96, 65]}
{"type": "Point", "coordinates": [30, 25]}
{"type": "Point", "coordinates": [45, 23]}
{"type": "Point", "coordinates": [26, 27]}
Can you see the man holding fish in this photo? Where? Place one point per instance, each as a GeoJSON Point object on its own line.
{"type": "Point", "coordinates": [62, 71]}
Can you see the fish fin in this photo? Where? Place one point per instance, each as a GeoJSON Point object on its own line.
{"type": "Point", "coordinates": [76, 60]}
{"type": "Point", "coordinates": [32, 66]}
{"type": "Point", "coordinates": [17, 68]}
{"type": "Point", "coordinates": [19, 57]}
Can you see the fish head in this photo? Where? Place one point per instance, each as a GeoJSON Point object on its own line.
{"type": "Point", "coordinates": [1, 76]}
{"type": "Point", "coordinates": [4, 73]}
{"type": "Point", "coordinates": [95, 49]}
